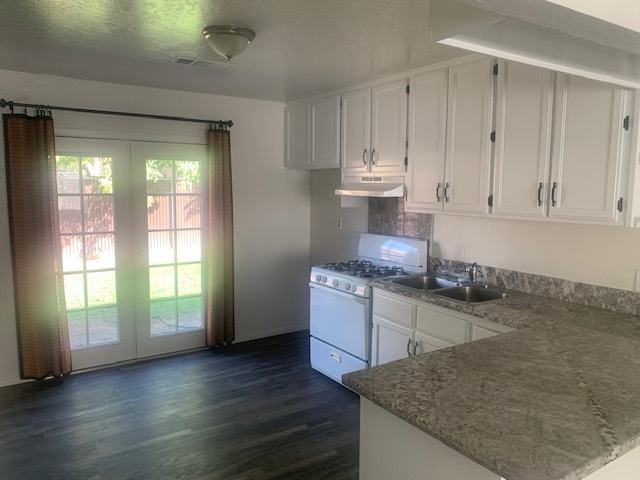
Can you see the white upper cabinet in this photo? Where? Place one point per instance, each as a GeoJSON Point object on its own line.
{"type": "Point", "coordinates": [524, 107]}
{"type": "Point", "coordinates": [467, 179]}
{"type": "Point", "coordinates": [590, 142]}
{"type": "Point", "coordinates": [427, 135]}
{"type": "Point", "coordinates": [313, 134]}
{"type": "Point", "coordinates": [356, 131]}
{"type": "Point", "coordinates": [325, 132]}
{"type": "Point", "coordinates": [450, 119]}
{"type": "Point", "coordinates": [374, 126]}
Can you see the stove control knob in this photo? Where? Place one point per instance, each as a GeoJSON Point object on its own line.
{"type": "Point", "coordinates": [318, 278]}
{"type": "Point", "coordinates": [355, 288]}
{"type": "Point", "coordinates": [324, 279]}
{"type": "Point", "coordinates": [347, 287]}
{"type": "Point", "coordinates": [334, 283]}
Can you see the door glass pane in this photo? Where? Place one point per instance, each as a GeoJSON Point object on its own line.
{"type": "Point", "coordinates": [174, 216]}
{"type": "Point", "coordinates": [189, 313]}
{"type": "Point", "coordinates": [85, 200]}
{"type": "Point", "coordinates": [162, 282]}
{"type": "Point", "coordinates": [103, 325]}
{"type": "Point", "coordinates": [163, 317]}
{"type": "Point", "coordinates": [189, 247]}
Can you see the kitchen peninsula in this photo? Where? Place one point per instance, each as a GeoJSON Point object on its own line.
{"type": "Point", "coordinates": [557, 399]}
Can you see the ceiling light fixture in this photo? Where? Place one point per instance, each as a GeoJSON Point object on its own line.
{"type": "Point", "coordinates": [228, 41]}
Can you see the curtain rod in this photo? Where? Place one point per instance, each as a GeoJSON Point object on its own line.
{"type": "Point", "coordinates": [11, 105]}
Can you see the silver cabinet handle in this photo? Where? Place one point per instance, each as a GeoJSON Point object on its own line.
{"type": "Point", "coordinates": [539, 194]}
{"type": "Point", "coordinates": [446, 192]}
{"type": "Point", "coordinates": [409, 347]}
{"type": "Point", "coordinates": [373, 160]}
{"type": "Point", "coordinates": [364, 156]}
{"type": "Point", "coordinates": [553, 194]}
{"type": "Point", "coordinates": [438, 192]}
{"type": "Point", "coordinates": [415, 347]}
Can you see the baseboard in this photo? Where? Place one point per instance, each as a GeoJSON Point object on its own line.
{"type": "Point", "coordinates": [270, 333]}
{"type": "Point", "coordinates": [6, 381]}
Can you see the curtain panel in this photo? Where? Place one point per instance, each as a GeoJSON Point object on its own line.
{"type": "Point", "coordinates": [43, 335]}
{"type": "Point", "coordinates": [219, 250]}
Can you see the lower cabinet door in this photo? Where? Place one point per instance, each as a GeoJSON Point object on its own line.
{"type": "Point", "coordinates": [426, 343]}
{"type": "Point", "coordinates": [390, 341]}
{"type": "Point", "coordinates": [332, 361]}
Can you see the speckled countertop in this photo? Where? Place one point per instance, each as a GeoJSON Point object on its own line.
{"type": "Point", "coordinates": [557, 399]}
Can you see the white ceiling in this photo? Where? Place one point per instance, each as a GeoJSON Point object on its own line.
{"type": "Point", "coordinates": [302, 47]}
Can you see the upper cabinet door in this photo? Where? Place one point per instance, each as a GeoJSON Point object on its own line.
{"type": "Point", "coordinates": [356, 131]}
{"type": "Point", "coordinates": [297, 136]}
{"type": "Point", "coordinates": [523, 140]}
{"type": "Point", "coordinates": [468, 157]}
{"type": "Point", "coordinates": [324, 149]}
{"type": "Point", "coordinates": [427, 137]}
{"type": "Point", "coordinates": [588, 150]}
{"type": "Point", "coordinates": [389, 127]}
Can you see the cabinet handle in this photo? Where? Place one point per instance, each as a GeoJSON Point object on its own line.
{"type": "Point", "coordinates": [438, 192]}
{"type": "Point", "coordinates": [373, 160]}
{"type": "Point", "coordinates": [364, 156]}
{"type": "Point", "coordinates": [409, 347]}
{"type": "Point", "coordinates": [540, 194]}
{"type": "Point", "coordinates": [446, 191]}
{"type": "Point", "coordinates": [553, 194]}
{"type": "Point", "coordinates": [415, 347]}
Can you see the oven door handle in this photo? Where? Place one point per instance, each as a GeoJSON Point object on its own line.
{"type": "Point", "coordinates": [333, 291]}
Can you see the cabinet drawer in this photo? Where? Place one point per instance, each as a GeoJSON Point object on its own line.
{"type": "Point", "coordinates": [395, 310]}
{"type": "Point", "coordinates": [441, 325]}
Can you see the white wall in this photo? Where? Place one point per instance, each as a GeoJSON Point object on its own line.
{"type": "Point", "coordinates": [328, 244]}
{"type": "Point", "coordinates": [271, 205]}
{"type": "Point", "coordinates": [607, 256]}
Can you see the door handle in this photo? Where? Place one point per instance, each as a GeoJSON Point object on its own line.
{"type": "Point", "coordinates": [446, 190]}
{"type": "Point", "coordinates": [409, 342]}
{"type": "Point", "coordinates": [438, 192]}
{"type": "Point", "coordinates": [364, 156]}
{"type": "Point", "coordinates": [415, 347]}
{"type": "Point", "coordinates": [373, 160]}
{"type": "Point", "coordinates": [540, 194]}
{"type": "Point", "coordinates": [553, 194]}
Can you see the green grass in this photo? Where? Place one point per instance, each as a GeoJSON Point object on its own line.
{"type": "Point", "coordinates": [101, 286]}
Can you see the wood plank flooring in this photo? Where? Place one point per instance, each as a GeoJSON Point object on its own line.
{"type": "Point", "coordinates": [255, 410]}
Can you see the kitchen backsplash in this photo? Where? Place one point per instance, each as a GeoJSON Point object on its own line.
{"type": "Point", "coordinates": [387, 217]}
{"type": "Point", "coordinates": [623, 301]}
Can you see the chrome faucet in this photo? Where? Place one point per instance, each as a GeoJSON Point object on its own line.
{"type": "Point", "coordinates": [473, 272]}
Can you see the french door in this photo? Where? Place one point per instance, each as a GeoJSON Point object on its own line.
{"type": "Point", "coordinates": [131, 231]}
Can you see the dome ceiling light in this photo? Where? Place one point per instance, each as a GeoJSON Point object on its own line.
{"type": "Point", "coordinates": [228, 41]}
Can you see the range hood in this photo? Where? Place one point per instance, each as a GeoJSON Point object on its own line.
{"type": "Point", "coordinates": [371, 187]}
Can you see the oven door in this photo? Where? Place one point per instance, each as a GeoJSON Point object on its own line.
{"type": "Point", "coordinates": [341, 319]}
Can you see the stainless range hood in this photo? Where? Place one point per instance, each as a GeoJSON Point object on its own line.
{"type": "Point", "coordinates": [371, 187]}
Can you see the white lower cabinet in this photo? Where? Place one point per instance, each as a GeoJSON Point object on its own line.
{"type": "Point", "coordinates": [390, 341]}
{"type": "Point", "coordinates": [403, 327]}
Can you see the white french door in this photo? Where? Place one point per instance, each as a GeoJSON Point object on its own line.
{"type": "Point", "coordinates": [131, 225]}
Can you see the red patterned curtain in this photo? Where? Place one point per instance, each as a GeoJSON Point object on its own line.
{"type": "Point", "coordinates": [219, 250]}
{"type": "Point", "coordinates": [43, 336]}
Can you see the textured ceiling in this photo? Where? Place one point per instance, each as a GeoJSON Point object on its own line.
{"type": "Point", "coordinates": [302, 47]}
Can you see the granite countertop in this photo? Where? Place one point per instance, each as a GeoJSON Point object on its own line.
{"type": "Point", "coordinates": [556, 399]}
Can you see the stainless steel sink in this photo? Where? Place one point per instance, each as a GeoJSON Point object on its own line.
{"type": "Point", "coordinates": [422, 282]}
{"type": "Point", "coordinates": [470, 294]}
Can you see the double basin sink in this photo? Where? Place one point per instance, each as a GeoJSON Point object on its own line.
{"type": "Point", "coordinates": [450, 289]}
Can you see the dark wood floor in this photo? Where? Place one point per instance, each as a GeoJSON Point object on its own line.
{"type": "Point", "coordinates": [255, 410]}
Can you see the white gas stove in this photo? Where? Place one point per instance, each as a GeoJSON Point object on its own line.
{"type": "Point", "coordinates": [340, 316]}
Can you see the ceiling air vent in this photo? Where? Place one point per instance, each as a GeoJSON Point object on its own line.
{"type": "Point", "coordinates": [199, 63]}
